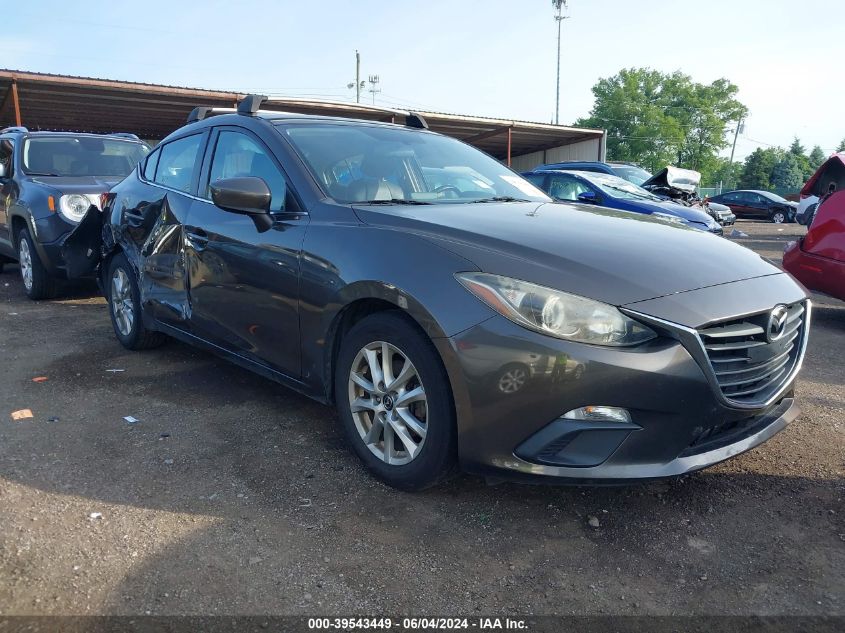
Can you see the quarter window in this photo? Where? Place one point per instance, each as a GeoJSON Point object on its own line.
{"type": "Point", "coordinates": [237, 155]}
{"type": "Point", "coordinates": [178, 162]}
{"type": "Point", "coordinates": [150, 166]}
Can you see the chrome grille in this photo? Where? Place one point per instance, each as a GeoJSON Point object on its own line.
{"type": "Point", "coordinates": [748, 368]}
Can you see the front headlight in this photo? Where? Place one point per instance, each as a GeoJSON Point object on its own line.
{"type": "Point", "coordinates": [556, 313]}
{"type": "Point", "coordinates": [74, 206]}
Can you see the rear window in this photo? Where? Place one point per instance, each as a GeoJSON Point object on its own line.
{"type": "Point", "coordinates": [81, 156]}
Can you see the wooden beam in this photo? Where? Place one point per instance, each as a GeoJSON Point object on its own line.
{"type": "Point", "coordinates": [484, 135]}
{"type": "Point", "coordinates": [510, 131]}
{"type": "Point", "coordinates": [16, 102]}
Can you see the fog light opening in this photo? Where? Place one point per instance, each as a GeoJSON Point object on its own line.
{"type": "Point", "coordinates": [593, 413]}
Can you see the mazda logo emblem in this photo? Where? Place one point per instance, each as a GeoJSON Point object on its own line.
{"type": "Point", "coordinates": [776, 324]}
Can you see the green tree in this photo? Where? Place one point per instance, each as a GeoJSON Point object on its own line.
{"type": "Point", "coordinates": [796, 148]}
{"type": "Point", "coordinates": [657, 119]}
{"type": "Point", "coordinates": [841, 147]}
{"type": "Point", "coordinates": [817, 157]}
{"type": "Point", "coordinates": [757, 171]}
{"type": "Point", "coordinates": [788, 172]}
{"type": "Point", "coordinates": [725, 173]}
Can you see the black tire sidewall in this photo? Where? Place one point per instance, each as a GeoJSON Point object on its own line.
{"type": "Point", "coordinates": [439, 452]}
{"type": "Point", "coordinates": [131, 340]}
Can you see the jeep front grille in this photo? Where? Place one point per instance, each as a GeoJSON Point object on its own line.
{"type": "Point", "coordinates": [748, 368]}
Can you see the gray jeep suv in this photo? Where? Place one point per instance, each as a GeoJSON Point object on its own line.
{"type": "Point", "coordinates": [48, 180]}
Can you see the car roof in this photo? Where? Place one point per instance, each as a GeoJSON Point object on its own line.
{"type": "Point", "coordinates": [232, 117]}
{"type": "Point", "coordinates": [123, 136]}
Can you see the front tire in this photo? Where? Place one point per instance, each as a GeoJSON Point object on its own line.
{"type": "Point", "coordinates": [125, 310]}
{"type": "Point", "coordinates": [37, 282]}
{"type": "Point", "coordinates": [395, 402]}
{"type": "Point", "coordinates": [778, 217]}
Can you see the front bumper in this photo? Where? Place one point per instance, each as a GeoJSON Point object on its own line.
{"type": "Point", "coordinates": [679, 424]}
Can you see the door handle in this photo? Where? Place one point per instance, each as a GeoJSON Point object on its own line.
{"type": "Point", "coordinates": [197, 237]}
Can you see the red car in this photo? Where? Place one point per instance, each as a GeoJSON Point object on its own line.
{"type": "Point", "coordinates": [817, 260]}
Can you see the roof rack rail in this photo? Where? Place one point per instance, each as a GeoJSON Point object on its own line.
{"type": "Point", "coordinates": [14, 128]}
{"type": "Point", "coordinates": [412, 119]}
{"type": "Point", "coordinates": [250, 104]}
{"type": "Point", "coordinates": [126, 135]}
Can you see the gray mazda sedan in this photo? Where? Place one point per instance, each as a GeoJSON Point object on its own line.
{"type": "Point", "coordinates": [455, 316]}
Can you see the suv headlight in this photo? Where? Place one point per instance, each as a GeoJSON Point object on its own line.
{"type": "Point", "coordinates": [556, 313]}
{"type": "Point", "coordinates": [74, 206]}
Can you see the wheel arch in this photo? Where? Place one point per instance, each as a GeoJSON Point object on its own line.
{"type": "Point", "coordinates": [361, 300]}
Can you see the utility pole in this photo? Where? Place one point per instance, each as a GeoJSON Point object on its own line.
{"type": "Point", "coordinates": [357, 77]}
{"type": "Point", "coordinates": [740, 127]}
{"type": "Point", "coordinates": [558, 5]}
{"type": "Point", "coordinates": [358, 83]}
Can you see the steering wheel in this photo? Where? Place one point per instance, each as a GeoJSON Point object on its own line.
{"type": "Point", "coordinates": [448, 188]}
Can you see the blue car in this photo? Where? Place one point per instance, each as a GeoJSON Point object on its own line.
{"type": "Point", "coordinates": [616, 193]}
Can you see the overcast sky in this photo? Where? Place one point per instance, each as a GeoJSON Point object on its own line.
{"type": "Point", "coordinates": [494, 58]}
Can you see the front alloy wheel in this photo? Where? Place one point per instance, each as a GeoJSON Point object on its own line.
{"type": "Point", "coordinates": [778, 217]}
{"type": "Point", "coordinates": [25, 261]}
{"type": "Point", "coordinates": [388, 403]}
{"type": "Point", "coordinates": [125, 307]}
{"type": "Point", "coordinates": [394, 401]}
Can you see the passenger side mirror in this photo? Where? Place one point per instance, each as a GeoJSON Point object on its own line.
{"type": "Point", "coordinates": [247, 195]}
{"type": "Point", "coordinates": [589, 197]}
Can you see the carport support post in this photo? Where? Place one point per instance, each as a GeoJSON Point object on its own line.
{"type": "Point", "coordinates": [16, 103]}
{"type": "Point", "coordinates": [510, 128]}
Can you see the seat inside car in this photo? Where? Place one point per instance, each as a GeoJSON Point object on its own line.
{"type": "Point", "coordinates": [380, 181]}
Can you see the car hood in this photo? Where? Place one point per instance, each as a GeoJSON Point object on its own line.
{"type": "Point", "coordinates": [78, 184]}
{"type": "Point", "coordinates": [693, 214]}
{"type": "Point", "coordinates": [612, 256]}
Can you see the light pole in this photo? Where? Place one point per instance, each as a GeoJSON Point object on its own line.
{"type": "Point", "coordinates": [374, 81]}
{"type": "Point", "coordinates": [358, 83]}
{"type": "Point", "coordinates": [558, 5]}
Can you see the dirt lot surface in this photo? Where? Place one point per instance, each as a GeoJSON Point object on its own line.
{"type": "Point", "coordinates": [233, 495]}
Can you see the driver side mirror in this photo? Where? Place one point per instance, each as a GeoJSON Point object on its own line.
{"type": "Point", "coordinates": [2, 170]}
{"type": "Point", "coordinates": [589, 197]}
{"type": "Point", "coordinates": [246, 195]}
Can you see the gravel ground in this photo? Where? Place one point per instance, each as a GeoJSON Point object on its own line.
{"type": "Point", "coordinates": [233, 495]}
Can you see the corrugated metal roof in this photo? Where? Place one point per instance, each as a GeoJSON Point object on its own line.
{"type": "Point", "coordinates": [66, 102]}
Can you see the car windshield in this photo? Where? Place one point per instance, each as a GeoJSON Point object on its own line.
{"type": "Point", "coordinates": [617, 187]}
{"type": "Point", "coordinates": [387, 165]}
{"type": "Point", "coordinates": [81, 156]}
{"type": "Point", "coordinates": [775, 197]}
{"type": "Point", "coordinates": [631, 173]}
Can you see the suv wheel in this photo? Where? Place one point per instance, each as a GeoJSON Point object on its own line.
{"type": "Point", "coordinates": [125, 308]}
{"type": "Point", "coordinates": [778, 216]}
{"type": "Point", "coordinates": [395, 402]}
{"type": "Point", "coordinates": [36, 280]}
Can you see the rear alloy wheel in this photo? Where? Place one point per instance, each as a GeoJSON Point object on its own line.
{"type": "Point", "coordinates": [37, 282]}
{"type": "Point", "coordinates": [125, 308]}
{"type": "Point", "coordinates": [778, 217]}
{"type": "Point", "coordinates": [395, 402]}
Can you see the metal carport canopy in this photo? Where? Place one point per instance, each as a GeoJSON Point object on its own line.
{"type": "Point", "coordinates": [152, 111]}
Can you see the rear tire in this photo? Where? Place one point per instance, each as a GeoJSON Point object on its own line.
{"type": "Point", "coordinates": [37, 282]}
{"type": "Point", "coordinates": [125, 309]}
{"type": "Point", "coordinates": [402, 425]}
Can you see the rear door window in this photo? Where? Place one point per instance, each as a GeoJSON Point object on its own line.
{"type": "Point", "coordinates": [178, 163]}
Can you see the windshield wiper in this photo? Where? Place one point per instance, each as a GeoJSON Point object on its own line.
{"type": "Point", "coordinates": [394, 201]}
{"type": "Point", "coordinates": [501, 199]}
{"type": "Point", "coordinates": [38, 173]}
